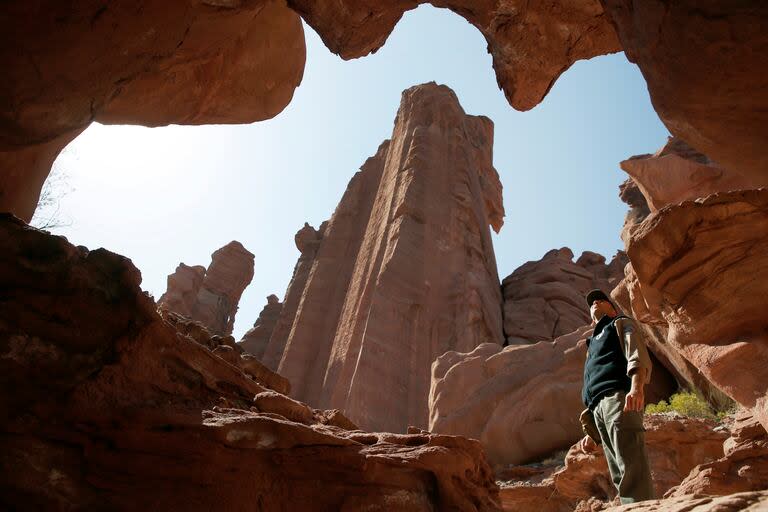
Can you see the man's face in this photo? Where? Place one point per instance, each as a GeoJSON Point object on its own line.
{"type": "Point", "coordinates": [600, 308]}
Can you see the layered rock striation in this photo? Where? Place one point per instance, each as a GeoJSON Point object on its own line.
{"type": "Point", "coordinates": [699, 270]}
{"type": "Point", "coordinates": [115, 407]}
{"type": "Point", "coordinates": [402, 272]}
{"type": "Point", "coordinates": [211, 296]}
{"type": "Point", "coordinates": [544, 299]}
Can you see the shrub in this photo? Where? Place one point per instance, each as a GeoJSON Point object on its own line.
{"type": "Point", "coordinates": [685, 404]}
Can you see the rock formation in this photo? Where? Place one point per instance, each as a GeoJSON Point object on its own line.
{"type": "Point", "coordinates": [703, 65]}
{"type": "Point", "coordinates": [211, 296]}
{"type": "Point", "coordinates": [66, 65]}
{"type": "Point", "coordinates": [115, 408]}
{"type": "Point", "coordinates": [403, 271]}
{"type": "Point", "coordinates": [224, 61]}
{"type": "Point", "coordinates": [675, 445]}
{"type": "Point", "coordinates": [674, 174]}
{"type": "Point", "coordinates": [743, 466]}
{"type": "Point", "coordinates": [747, 501]}
{"type": "Point", "coordinates": [677, 172]}
{"type": "Point", "coordinates": [545, 299]}
{"type": "Point", "coordinates": [699, 269]}
{"type": "Point", "coordinates": [687, 53]}
{"type": "Point", "coordinates": [531, 43]}
{"type": "Point", "coordinates": [522, 401]}
{"type": "Point", "coordinates": [255, 341]}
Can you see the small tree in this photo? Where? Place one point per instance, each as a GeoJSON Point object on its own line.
{"type": "Point", "coordinates": [48, 211]}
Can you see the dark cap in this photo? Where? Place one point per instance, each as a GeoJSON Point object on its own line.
{"type": "Point", "coordinates": [597, 294]}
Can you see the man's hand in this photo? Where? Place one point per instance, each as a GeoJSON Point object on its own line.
{"type": "Point", "coordinates": [587, 444]}
{"type": "Point", "coordinates": [635, 400]}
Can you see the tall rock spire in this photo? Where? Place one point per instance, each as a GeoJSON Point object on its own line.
{"type": "Point", "coordinates": [403, 271]}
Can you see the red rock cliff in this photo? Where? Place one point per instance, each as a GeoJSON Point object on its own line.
{"type": "Point", "coordinates": [402, 272]}
{"type": "Point", "coordinates": [211, 296]}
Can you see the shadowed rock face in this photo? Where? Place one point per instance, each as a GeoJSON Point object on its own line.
{"type": "Point", "coordinates": [211, 296]}
{"type": "Point", "coordinates": [545, 299]}
{"type": "Point", "coordinates": [703, 63]}
{"type": "Point", "coordinates": [402, 272]}
{"type": "Point", "coordinates": [699, 268]}
{"type": "Point", "coordinates": [255, 341]}
{"type": "Point", "coordinates": [116, 408]}
{"type": "Point", "coordinates": [531, 43]}
{"type": "Point", "coordinates": [160, 62]}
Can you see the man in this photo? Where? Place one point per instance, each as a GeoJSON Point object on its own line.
{"type": "Point", "coordinates": [616, 370]}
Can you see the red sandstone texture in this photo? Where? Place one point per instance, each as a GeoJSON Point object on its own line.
{"type": "Point", "coordinates": [675, 446]}
{"type": "Point", "coordinates": [67, 65]}
{"type": "Point", "coordinates": [531, 43]}
{"type": "Point", "coordinates": [403, 272]}
{"type": "Point", "coordinates": [745, 501]}
{"type": "Point", "coordinates": [743, 467]}
{"type": "Point", "coordinates": [545, 299]}
{"type": "Point", "coordinates": [522, 402]}
{"type": "Point", "coordinates": [699, 269]}
{"type": "Point", "coordinates": [704, 65]}
{"type": "Point", "coordinates": [687, 375]}
{"type": "Point", "coordinates": [255, 341]}
{"type": "Point", "coordinates": [116, 408]}
{"type": "Point", "coordinates": [211, 296]}
{"type": "Point", "coordinates": [677, 172]}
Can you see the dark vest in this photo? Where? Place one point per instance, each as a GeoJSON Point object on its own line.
{"type": "Point", "coordinates": [606, 368]}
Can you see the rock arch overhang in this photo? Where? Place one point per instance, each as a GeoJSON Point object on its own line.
{"type": "Point", "coordinates": [239, 61]}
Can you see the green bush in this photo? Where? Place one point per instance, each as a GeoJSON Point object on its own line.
{"type": "Point", "coordinates": [685, 404]}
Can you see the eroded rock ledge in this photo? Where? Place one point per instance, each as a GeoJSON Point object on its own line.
{"type": "Point", "coordinates": [114, 407]}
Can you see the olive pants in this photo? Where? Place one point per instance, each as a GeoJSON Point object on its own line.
{"type": "Point", "coordinates": [623, 440]}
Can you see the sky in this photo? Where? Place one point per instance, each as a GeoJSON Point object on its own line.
{"type": "Point", "coordinates": [161, 196]}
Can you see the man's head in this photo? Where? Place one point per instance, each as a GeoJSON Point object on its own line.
{"type": "Point", "coordinates": [600, 305]}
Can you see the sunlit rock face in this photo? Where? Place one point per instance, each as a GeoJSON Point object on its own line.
{"type": "Point", "coordinates": [704, 64]}
{"type": "Point", "coordinates": [211, 296]}
{"type": "Point", "coordinates": [403, 272]}
{"type": "Point", "coordinates": [255, 341]}
{"type": "Point", "coordinates": [544, 299]}
{"type": "Point", "coordinates": [677, 172]}
{"type": "Point", "coordinates": [114, 407]}
{"type": "Point", "coordinates": [674, 174]}
{"type": "Point", "coordinates": [531, 43]}
{"type": "Point", "coordinates": [699, 268]}
{"type": "Point", "coordinates": [68, 64]}
{"type": "Point", "coordinates": [522, 401]}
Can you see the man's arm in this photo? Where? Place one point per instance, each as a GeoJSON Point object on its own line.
{"type": "Point", "coordinates": [638, 363]}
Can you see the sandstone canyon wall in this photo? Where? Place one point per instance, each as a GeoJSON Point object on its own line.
{"type": "Point", "coordinates": [697, 273]}
{"type": "Point", "coordinates": [402, 272]}
{"type": "Point", "coordinates": [116, 407]}
{"type": "Point", "coordinates": [211, 296]}
{"type": "Point", "coordinates": [544, 299]}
